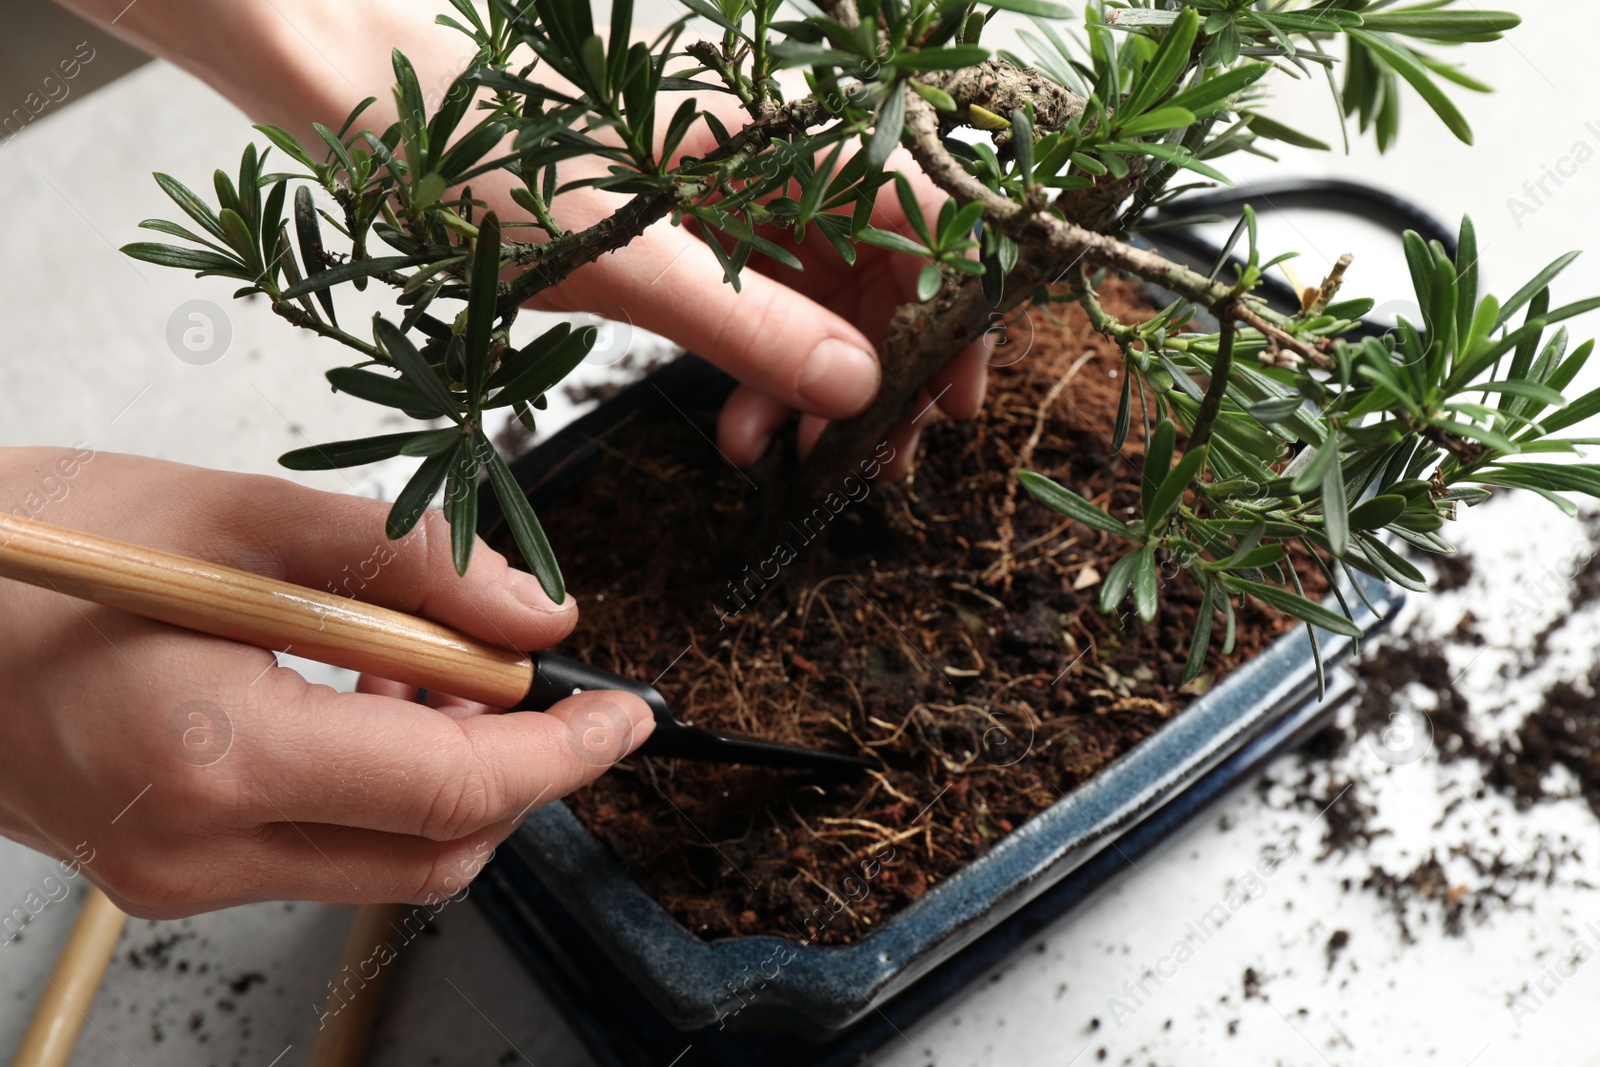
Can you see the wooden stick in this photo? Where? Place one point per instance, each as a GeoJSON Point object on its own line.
{"type": "Point", "coordinates": [276, 615]}
{"type": "Point", "coordinates": [70, 989]}
{"type": "Point", "coordinates": [349, 1016]}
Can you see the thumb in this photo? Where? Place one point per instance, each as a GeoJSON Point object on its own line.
{"type": "Point", "coordinates": [767, 335]}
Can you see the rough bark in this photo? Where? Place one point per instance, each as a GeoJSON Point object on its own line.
{"type": "Point", "coordinates": [1001, 87]}
{"type": "Point", "coordinates": [1099, 207]}
{"type": "Point", "coordinates": [923, 338]}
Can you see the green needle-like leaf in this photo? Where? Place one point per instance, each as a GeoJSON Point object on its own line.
{"type": "Point", "coordinates": [1535, 286]}
{"type": "Point", "coordinates": [1405, 63]}
{"type": "Point", "coordinates": [337, 454]}
{"type": "Point", "coordinates": [1117, 581]}
{"type": "Point", "coordinates": [192, 205]}
{"type": "Point", "coordinates": [1311, 475]}
{"type": "Point", "coordinates": [344, 272]}
{"type": "Point", "coordinates": [1160, 120]}
{"type": "Point", "coordinates": [912, 208]}
{"type": "Point", "coordinates": [1170, 60]}
{"type": "Point", "coordinates": [1173, 486]}
{"type": "Point", "coordinates": [185, 258]}
{"type": "Point", "coordinates": [1377, 513]}
{"type": "Point", "coordinates": [1200, 641]}
{"type": "Point", "coordinates": [1335, 507]}
{"type": "Point", "coordinates": [886, 134]}
{"type": "Point", "coordinates": [1157, 456]}
{"type": "Point", "coordinates": [1216, 91]}
{"type": "Point", "coordinates": [894, 242]}
{"type": "Point", "coordinates": [382, 389]}
{"type": "Point", "coordinates": [1070, 504]}
{"type": "Point", "coordinates": [1290, 604]}
{"type": "Point", "coordinates": [1146, 583]}
{"type": "Point", "coordinates": [461, 499]}
{"type": "Point", "coordinates": [415, 369]}
{"type": "Point", "coordinates": [525, 528]}
{"type": "Point", "coordinates": [543, 373]}
{"type": "Point", "coordinates": [1038, 8]}
{"type": "Point", "coordinates": [417, 495]}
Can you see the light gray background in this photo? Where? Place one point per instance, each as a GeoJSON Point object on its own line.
{"type": "Point", "coordinates": [86, 359]}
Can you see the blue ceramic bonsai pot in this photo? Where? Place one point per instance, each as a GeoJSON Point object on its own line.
{"type": "Point", "coordinates": [763, 983]}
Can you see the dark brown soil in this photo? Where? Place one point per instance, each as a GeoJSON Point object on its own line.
{"type": "Point", "coordinates": [1338, 941]}
{"type": "Point", "coordinates": [1562, 730]}
{"type": "Point", "coordinates": [1451, 572]}
{"type": "Point", "coordinates": [174, 948]}
{"type": "Point", "coordinates": [948, 629]}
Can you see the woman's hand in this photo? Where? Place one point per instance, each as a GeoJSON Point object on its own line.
{"type": "Point", "coordinates": [188, 773]}
{"type": "Point", "coordinates": [803, 342]}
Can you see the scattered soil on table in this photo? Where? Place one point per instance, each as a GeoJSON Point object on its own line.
{"type": "Point", "coordinates": [1251, 982]}
{"type": "Point", "coordinates": [1338, 941]}
{"type": "Point", "coordinates": [1452, 572]}
{"type": "Point", "coordinates": [189, 977]}
{"type": "Point", "coordinates": [949, 629]}
{"type": "Point", "coordinates": [1562, 730]}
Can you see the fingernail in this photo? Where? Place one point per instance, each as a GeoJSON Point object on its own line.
{"type": "Point", "coordinates": [526, 588]}
{"type": "Point", "coordinates": [644, 723]}
{"type": "Point", "coordinates": [839, 379]}
{"type": "Point", "coordinates": [760, 448]}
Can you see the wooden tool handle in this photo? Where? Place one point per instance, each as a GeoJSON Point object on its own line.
{"type": "Point", "coordinates": [70, 991]}
{"type": "Point", "coordinates": [347, 1021]}
{"type": "Point", "coordinates": [261, 611]}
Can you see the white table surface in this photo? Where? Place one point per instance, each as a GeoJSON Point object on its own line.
{"type": "Point", "coordinates": [86, 359]}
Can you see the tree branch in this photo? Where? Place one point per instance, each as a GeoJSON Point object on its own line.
{"type": "Point", "coordinates": [579, 248]}
{"type": "Point", "coordinates": [924, 337]}
{"type": "Point", "coordinates": [1071, 244]}
{"type": "Point", "coordinates": [299, 317]}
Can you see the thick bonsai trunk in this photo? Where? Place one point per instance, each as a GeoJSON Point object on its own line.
{"type": "Point", "coordinates": [924, 337]}
{"type": "Point", "coordinates": [922, 340]}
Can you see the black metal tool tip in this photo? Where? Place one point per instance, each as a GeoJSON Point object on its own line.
{"type": "Point", "coordinates": [556, 677]}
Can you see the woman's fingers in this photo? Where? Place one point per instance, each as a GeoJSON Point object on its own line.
{"type": "Point", "coordinates": [961, 385]}
{"type": "Point", "coordinates": [344, 865]}
{"type": "Point", "coordinates": [378, 763]}
{"type": "Point", "coordinates": [453, 706]}
{"type": "Point", "coordinates": [809, 433]}
{"type": "Point", "coordinates": [903, 442]}
{"type": "Point", "coordinates": [297, 861]}
{"type": "Point", "coordinates": [372, 685]}
{"type": "Point", "coordinates": [324, 541]}
{"type": "Point", "coordinates": [231, 778]}
{"type": "Point", "coordinates": [767, 335]}
{"type": "Point", "coordinates": [750, 418]}
{"type": "Point", "coordinates": [338, 544]}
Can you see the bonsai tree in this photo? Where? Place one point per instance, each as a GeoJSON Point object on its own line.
{"type": "Point", "coordinates": [1267, 432]}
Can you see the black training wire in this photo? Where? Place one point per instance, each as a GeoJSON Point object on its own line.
{"type": "Point", "coordinates": [1377, 206]}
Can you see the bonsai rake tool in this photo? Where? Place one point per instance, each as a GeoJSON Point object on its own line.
{"type": "Point", "coordinates": [342, 632]}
